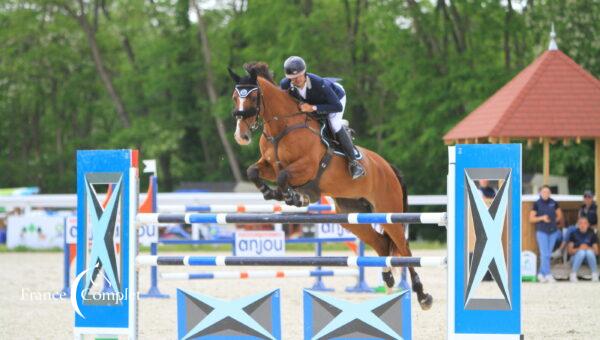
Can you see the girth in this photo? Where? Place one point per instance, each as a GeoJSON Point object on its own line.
{"type": "Point", "coordinates": [276, 139]}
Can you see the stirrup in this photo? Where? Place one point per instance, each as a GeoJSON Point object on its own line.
{"type": "Point", "coordinates": [356, 169]}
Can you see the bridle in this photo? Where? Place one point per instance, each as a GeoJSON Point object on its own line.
{"type": "Point", "coordinates": [244, 92]}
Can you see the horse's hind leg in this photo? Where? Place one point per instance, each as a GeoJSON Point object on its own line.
{"type": "Point", "coordinates": [381, 243]}
{"type": "Point", "coordinates": [369, 236]}
{"type": "Point", "coordinates": [397, 233]}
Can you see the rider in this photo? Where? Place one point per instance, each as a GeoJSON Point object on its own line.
{"type": "Point", "coordinates": [326, 98]}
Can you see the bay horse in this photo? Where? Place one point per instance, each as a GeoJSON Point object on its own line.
{"type": "Point", "coordinates": [294, 157]}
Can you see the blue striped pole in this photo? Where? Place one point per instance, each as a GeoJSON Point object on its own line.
{"type": "Point", "coordinates": [329, 261]}
{"type": "Point", "coordinates": [357, 218]}
{"type": "Point", "coordinates": [154, 292]}
{"type": "Point", "coordinates": [249, 208]}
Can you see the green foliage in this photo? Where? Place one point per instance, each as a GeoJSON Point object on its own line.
{"type": "Point", "coordinates": [411, 71]}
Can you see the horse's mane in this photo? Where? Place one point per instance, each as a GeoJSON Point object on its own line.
{"type": "Point", "coordinates": [261, 69]}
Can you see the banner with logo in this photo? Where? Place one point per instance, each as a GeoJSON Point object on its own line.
{"type": "Point", "coordinates": [332, 230]}
{"type": "Point", "coordinates": [259, 243]}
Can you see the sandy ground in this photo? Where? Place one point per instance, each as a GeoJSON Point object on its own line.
{"type": "Point", "coordinates": [550, 311]}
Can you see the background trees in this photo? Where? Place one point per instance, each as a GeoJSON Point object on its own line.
{"type": "Point", "coordinates": [152, 75]}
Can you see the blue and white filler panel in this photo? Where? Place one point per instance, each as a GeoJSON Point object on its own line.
{"type": "Point", "coordinates": [477, 309]}
{"type": "Point", "coordinates": [98, 312]}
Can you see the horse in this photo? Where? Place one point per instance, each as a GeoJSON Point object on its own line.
{"type": "Point", "coordinates": [293, 156]}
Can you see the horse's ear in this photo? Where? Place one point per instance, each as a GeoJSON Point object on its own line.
{"type": "Point", "coordinates": [253, 75]}
{"type": "Point", "coordinates": [233, 75]}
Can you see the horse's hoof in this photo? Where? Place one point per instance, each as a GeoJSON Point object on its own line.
{"type": "Point", "coordinates": [300, 201]}
{"type": "Point", "coordinates": [388, 278]}
{"type": "Point", "coordinates": [426, 302]}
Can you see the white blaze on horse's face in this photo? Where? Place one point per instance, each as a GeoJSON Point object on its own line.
{"type": "Point", "coordinates": [242, 138]}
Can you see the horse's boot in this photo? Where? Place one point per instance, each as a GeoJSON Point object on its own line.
{"type": "Point", "coordinates": [356, 169]}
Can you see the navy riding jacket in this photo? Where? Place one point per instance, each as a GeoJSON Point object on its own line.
{"type": "Point", "coordinates": [321, 92]}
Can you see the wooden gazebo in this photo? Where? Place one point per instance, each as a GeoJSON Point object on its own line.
{"type": "Point", "coordinates": [553, 99]}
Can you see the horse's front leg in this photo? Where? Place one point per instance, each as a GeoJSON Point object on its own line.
{"type": "Point", "coordinates": [291, 196]}
{"type": "Point", "coordinates": [263, 170]}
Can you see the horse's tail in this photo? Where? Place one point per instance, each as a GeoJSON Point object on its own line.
{"type": "Point", "coordinates": [393, 248]}
{"type": "Point", "coordinates": [403, 186]}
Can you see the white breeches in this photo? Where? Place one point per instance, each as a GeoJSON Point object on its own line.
{"type": "Point", "coordinates": [335, 118]}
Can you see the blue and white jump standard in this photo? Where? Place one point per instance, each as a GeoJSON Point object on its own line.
{"type": "Point", "coordinates": [470, 314]}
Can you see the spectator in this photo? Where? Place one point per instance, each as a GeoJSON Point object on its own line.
{"type": "Point", "coordinates": [589, 208]}
{"type": "Point", "coordinates": [583, 245]}
{"type": "Point", "coordinates": [545, 214]}
{"type": "Point", "coordinates": [486, 190]}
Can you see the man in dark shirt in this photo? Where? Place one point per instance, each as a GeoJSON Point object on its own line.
{"type": "Point", "coordinates": [583, 245]}
{"type": "Point", "coordinates": [545, 215]}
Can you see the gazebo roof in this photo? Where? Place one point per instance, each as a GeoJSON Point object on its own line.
{"type": "Point", "coordinates": [553, 97]}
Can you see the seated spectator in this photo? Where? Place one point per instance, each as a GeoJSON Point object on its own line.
{"type": "Point", "coordinates": [545, 215]}
{"type": "Point", "coordinates": [583, 245]}
{"type": "Point", "coordinates": [589, 208]}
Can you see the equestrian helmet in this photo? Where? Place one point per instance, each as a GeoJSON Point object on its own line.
{"type": "Point", "coordinates": [294, 66]}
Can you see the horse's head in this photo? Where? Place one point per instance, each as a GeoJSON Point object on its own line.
{"type": "Point", "coordinates": [246, 98]}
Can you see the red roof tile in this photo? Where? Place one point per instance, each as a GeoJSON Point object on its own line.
{"type": "Point", "coordinates": [552, 97]}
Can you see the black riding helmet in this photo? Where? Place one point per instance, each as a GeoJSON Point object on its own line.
{"type": "Point", "coordinates": [294, 66]}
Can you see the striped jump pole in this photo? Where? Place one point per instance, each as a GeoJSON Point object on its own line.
{"type": "Point", "coordinates": [260, 274]}
{"type": "Point", "coordinates": [356, 218]}
{"type": "Point", "coordinates": [292, 261]}
{"type": "Point", "coordinates": [245, 208]}
{"type": "Point", "coordinates": [360, 287]}
{"type": "Point", "coordinates": [154, 292]}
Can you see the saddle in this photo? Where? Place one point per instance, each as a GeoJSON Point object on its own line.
{"type": "Point", "coordinates": [329, 140]}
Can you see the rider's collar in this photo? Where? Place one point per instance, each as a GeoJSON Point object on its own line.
{"type": "Point", "coordinates": [244, 90]}
{"type": "Point", "coordinates": [307, 84]}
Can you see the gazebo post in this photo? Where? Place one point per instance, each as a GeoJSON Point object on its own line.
{"type": "Point", "coordinates": [547, 159]}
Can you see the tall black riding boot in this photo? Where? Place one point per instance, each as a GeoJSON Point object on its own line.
{"type": "Point", "coordinates": [356, 169]}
